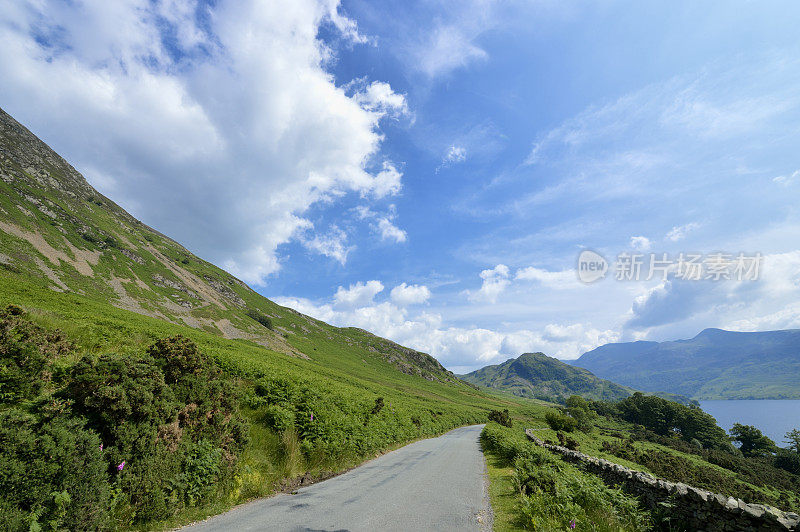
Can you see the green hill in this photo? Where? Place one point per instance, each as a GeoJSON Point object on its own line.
{"type": "Point", "coordinates": [539, 376]}
{"type": "Point", "coordinates": [267, 396]}
{"type": "Point", "coordinates": [715, 364]}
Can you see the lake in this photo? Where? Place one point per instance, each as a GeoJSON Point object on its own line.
{"type": "Point", "coordinates": [773, 417]}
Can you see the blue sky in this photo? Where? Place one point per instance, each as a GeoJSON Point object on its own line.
{"type": "Point", "coordinates": [431, 170]}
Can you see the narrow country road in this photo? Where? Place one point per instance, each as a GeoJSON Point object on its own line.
{"type": "Point", "coordinates": [434, 484]}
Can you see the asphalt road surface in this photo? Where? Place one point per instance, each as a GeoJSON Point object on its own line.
{"type": "Point", "coordinates": [435, 484]}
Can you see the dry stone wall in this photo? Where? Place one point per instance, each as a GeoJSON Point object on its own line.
{"type": "Point", "coordinates": [696, 509]}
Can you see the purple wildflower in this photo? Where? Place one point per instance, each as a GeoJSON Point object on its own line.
{"type": "Point", "coordinates": [572, 524]}
{"type": "Point", "coordinates": [121, 465]}
{"type": "Point", "coordinates": [101, 447]}
{"type": "Point", "coordinates": [312, 416]}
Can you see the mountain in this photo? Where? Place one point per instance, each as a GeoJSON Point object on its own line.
{"type": "Point", "coordinates": [537, 375]}
{"type": "Point", "coordinates": [58, 231]}
{"type": "Point", "coordinates": [715, 364]}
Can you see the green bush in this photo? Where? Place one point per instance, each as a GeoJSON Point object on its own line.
{"type": "Point", "coordinates": [42, 461]}
{"type": "Point", "coordinates": [501, 416]}
{"type": "Point", "coordinates": [26, 351]}
{"type": "Point", "coordinates": [279, 418]}
{"type": "Point", "coordinates": [558, 421]}
{"type": "Point", "coordinates": [111, 440]}
{"type": "Point", "coordinates": [260, 318]}
{"type": "Point", "coordinates": [579, 409]}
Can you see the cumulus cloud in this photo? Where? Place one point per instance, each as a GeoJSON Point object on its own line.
{"type": "Point", "coordinates": [640, 243]}
{"type": "Point", "coordinates": [458, 348]}
{"type": "Point", "coordinates": [357, 295]}
{"type": "Point", "coordinates": [679, 232]}
{"type": "Point", "coordinates": [379, 97]}
{"type": "Point", "coordinates": [675, 307]}
{"type": "Point", "coordinates": [404, 295]}
{"type": "Point", "coordinates": [389, 231]}
{"type": "Point", "coordinates": [495, 281]}
{"type": "Point", "coordinates": [224, 138]}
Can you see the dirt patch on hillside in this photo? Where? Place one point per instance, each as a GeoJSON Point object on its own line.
{"type": "Point", "coordinates": [50, 274]}
{"type": "Point", "coordinates": [83, 261]}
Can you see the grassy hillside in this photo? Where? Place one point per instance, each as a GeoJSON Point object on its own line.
{"type": "Point", "coordinates": [56, 229]}
{"type": "Point", "coordinates": [537, 375]}
{"type": "Point", "coordinates": [715, 364]}
{"type": "Point", "coordinates": [244, 398]}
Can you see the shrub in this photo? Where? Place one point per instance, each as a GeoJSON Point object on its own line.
{"type": "Point", "coordinates": [261, 318]}
{"type": "Point", "coordinates": [25, 353]}
{"type": "Point", "coordinates": [44, 465]}
{"type": "Point", "coordinates": [788, 461]}
{"type": "Point", "coordinates": [581, 412]}
{"type": "Point", "coordinates": [501, 417]}
{"type": "Point", "coordinates": [279, 418]}
{"type": "Point", "coordinates": [378, 406]}
{"type": "Point", "coordinates": [558, 421]}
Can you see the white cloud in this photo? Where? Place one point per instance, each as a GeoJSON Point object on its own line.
{"type": "Point", "coordinates": [679, 232]}
{"type": "Point", "coordinates": [788, 179]}
{"type": "Point", "coordinates": [378, 97]}
{"type": "Point", "coordinates": [333, 244]}
{"type": "Point", "coordinates": [557, 280]}
{"type": "Point", "coordinates": [495, 281]}
{"type": "Point", "coordinates": [404, 295]}
{"type": "Point", "coordinates": [640, 243]}
{"type": "Point", "coordinates": [382, 224]}
{"type": "Point", "coordinates": [455, 154]}
{"type": "Point", "coordinates": [389, 231]}
{"type": "Point", "coordinates": [459, 348]}
{"type": "Point", "coordinates": [449, 47]}
{"type": "Point", "coordinates": [387, 182]}
{"type": "Point", "coordinates": [357, 295]}
{"type": "Point", "coordinates": [243, 127]}
{"type": "Point", "coordinates": [674, 308]}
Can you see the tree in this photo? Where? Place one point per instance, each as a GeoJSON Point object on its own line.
{"type": "Point", "coordinates": [793, 439]}
{"type": "Point", "coordinates": [751, 441]}
{"type": "Point", "coordinates": [579, 409]}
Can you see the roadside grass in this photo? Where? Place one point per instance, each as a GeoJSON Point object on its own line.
{"type": "Point", "coordinates": [503, 496]}
{"type": "Point", "coordinates": [551, 494]}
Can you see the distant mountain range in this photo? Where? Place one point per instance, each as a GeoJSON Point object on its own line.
{"type": "Point", "coordinates": [539, 376]}
{"type": "Point", "coordinates": [715, 364]}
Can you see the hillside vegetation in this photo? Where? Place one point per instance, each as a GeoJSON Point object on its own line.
{"type": "Point", "coordinates": [533, 489]}
{"type": "Point", "coordinates": [141, 386]}
{"type": "Point", "coordinates": [538, 376]}
{"type": "Point", "coordinates": [715, 364]}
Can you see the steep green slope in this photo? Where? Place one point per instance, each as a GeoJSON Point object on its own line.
{"type": "Point", "coordinates": [715, 364]}
{"type": "Point", "coordinates": [315, 398]}
{"type": "Point", "coordinates": [54, 227]}
{"type": "Point", "coordinates": [539, 376]}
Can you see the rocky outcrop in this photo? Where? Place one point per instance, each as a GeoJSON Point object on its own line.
{"type": "Point", "coordinates": [696, 509]}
